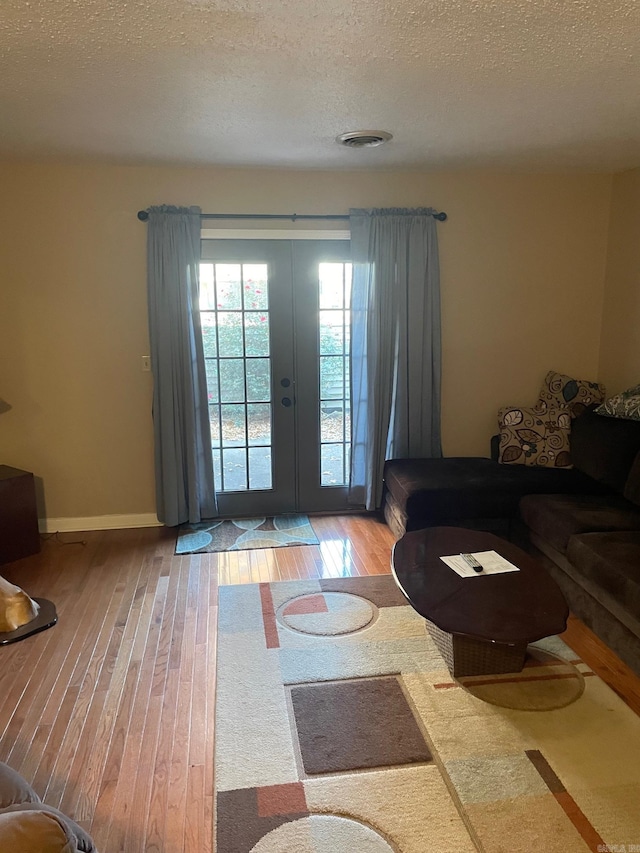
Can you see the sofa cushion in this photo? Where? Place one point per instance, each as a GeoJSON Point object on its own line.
{"type": "Point", "coordinates": [531, 437]}
{"type": "Point", "coordinates": [623, 405]}
{"type": "Point", "coordinates": [605, 448]}
{"type": "Point", "coordinates": [610, 563]}
{"type": "Point", "coordinates": [14, 789]}
{"type": "Point", "coordinates": [559, 390]}
{"type": "Point", "coordinates": [33, 832]}
{"type": "Point", "coordinates": [632, 486]}
{"type": "Point", "coordinates": [432, 491]}
{"type": "Point", "coordinates": [556, 518]}
{"type": "Point", "coordinates": [77, 838]}
{"type": "Point", "coordinates": [18, 799]}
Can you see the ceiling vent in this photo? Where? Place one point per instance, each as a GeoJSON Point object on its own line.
{"type": "Point", "coordinates": [364, 138]}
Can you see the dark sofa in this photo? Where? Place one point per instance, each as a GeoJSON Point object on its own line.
{"type": "Point", "coordinates": [591, 545]}
{"type": "Point", "coordinates": [583, 523]}
{"type": "Point", "coordinates": [478, 492]}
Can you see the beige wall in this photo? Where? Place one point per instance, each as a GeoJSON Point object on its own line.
{"type": "Point", "coordinates": [620, 346]}
{"type": "Point", "coordinates": [522, 271]}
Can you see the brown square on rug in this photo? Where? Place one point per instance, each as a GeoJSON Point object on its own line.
{"type": "Point", "coordinates": [353, 725]}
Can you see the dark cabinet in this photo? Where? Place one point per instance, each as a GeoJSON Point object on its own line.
{"type": "Point", "coordinates": [19, 535]}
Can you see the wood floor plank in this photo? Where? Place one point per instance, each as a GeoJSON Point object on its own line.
{"type": "Point", "coordinates": [175, 826]}
{"type": "Point", "coordinates": [135, 689]}
{"type": "Point", "coordinates": [77, 661]}
{"type": "Point", "coordinates": [287, 569]}
{"type": "Point", "coordinates": [91, 701]}
{"type": "Point", "coordinates": [157, 814]}
{"type": "Point", "coordinates": [74, 784]}
{"type": "Point", "coordinates": [113, 679]}
{"type": "Point", "coordinates": [111, 712]}
{"type": "Point", "coordinates": [122, 811]}
{"type": "Point", "coordinates": [138, 786]}
{"type": "Point", "coordinates": [194, 814]}
{"type": "Point", "coordinates": [212, 649]}
{"type": "Point", "coordinates": [610, 668]}
{"type": "Point", "coordinates": [136, 828]}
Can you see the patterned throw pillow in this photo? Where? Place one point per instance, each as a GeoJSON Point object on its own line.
{"type": "Point", "coordinates": [559, 390]}
{"type": "Point", "coordinates": [533, 437]}
{"type": "Point", "coordinates": [623, 405]}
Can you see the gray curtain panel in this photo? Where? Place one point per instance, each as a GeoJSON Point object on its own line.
{"type": "Point", "coordinates": [395, 344]}
{"type": "Point", "coordinates": [183, 460]}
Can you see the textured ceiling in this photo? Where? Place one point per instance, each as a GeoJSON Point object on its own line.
{"type": "Point", "coordinates": [460, 83]}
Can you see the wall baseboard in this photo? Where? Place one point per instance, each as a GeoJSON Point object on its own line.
{"type": "Point", "coordinates": [98, 522]}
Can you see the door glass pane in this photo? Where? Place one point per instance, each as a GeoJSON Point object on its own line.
{"type": "Point", "coordinates": [259, 423]}
{"type": "Point", "coordinates": [332, 465]}
{"type": "Point", "coordinates": [334, 421]}
{"type": "Point", "coordinates": [255, 287]}
{"type": "Point", "coordinates": [332, 331]}
{"type": "Point", "coordinates": [231, 380]}
{"type": "Point", "coordinates": [259, 467]}
{"type": "Point", "coordinates": [217, 470]}
{"type": "Point", "coordinates": [233, 426]}
{"type": "Point", "coordinates": [256, 333]}
{"type": "Point", "coordinates": [334, 281]}
{"type": "Point", "coordinates": [209, 336]}
{"type": "Point", "coordinates": [211, 369]}
{"type": "Point", "coordinates": [258, 380]}
{"type": "Point", "coordinates": [234, 305]}
{"type": "Point", "coordinates": [228, 279]}
{"type": "Point", "coordinates": [234, 469]}
{"type": "Point", "coordinates": [207, 287]}
{"type": "Point", "coordinates": [214, 423]}
{"type": "Point", "coordinates": [230, 337]}
{"type": "Point", "coordinates": [332, 377]}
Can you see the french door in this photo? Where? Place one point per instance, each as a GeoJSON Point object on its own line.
{"type": "Point", "coordinates": [275, 323]}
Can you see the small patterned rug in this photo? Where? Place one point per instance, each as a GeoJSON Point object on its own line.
{"type": "Point", "coordinates": [340, 730]}
{"type": "Point", "coordinates": [244, 534]}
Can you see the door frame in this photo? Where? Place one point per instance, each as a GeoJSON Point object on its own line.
{"type": "Point", "coordinates": [312, 496]}
{"type": "Point", "coordinates": [296, 455]}
{"type": "Point", "coordinates": [282, 494]}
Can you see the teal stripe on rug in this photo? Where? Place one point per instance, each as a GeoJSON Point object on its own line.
{"type": "Point", "coordinates": [244, 534]}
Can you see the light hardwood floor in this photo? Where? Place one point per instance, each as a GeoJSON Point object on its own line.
{"type": "Point", "coordinates": [110, 713]}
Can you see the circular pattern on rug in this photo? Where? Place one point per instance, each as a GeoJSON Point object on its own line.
{"type": "Point", "coordinates": [323, 834]}
{"type": "Point", "coordinates": [327, 614]}
{"type": "Point", "coordinates": [546, 682]}
{"type": "Point", "coordinates": [193, 541]}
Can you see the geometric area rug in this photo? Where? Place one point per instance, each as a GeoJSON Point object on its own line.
{"type": "Point", "coordinates": [340, 730]}
{"type": "Point", "coordinates": [242, 534]}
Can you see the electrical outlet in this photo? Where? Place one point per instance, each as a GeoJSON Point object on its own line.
{"type": "Point", "coordinates": [146, 363]}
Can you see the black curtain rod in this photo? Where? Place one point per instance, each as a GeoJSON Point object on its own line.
{"type": "Point", "coordinates": [143, 215]}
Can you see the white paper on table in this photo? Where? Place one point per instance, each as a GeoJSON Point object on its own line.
{"type": "Point", "coordinates": [492, 564]}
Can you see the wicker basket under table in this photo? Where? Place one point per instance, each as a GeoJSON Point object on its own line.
{"type": "Point", "coordinates": [468, 656]}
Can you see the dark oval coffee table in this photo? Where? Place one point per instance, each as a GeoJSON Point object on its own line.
{"type": "Point", "coordinates": [481, 625]}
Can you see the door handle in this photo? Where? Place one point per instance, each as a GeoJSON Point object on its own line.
{"type": "Point", "coordinates": [285, 382]}
{"type": "Point", "coordinates": [286, 402]}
